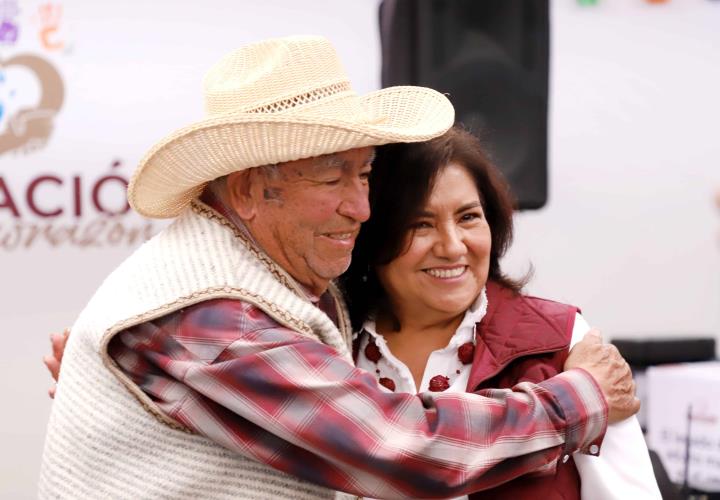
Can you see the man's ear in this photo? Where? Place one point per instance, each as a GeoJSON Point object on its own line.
{"type": "Point", "coordinates": [240, 193]}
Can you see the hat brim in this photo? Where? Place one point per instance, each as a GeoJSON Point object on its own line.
{"type": "Point", "coordinates": [176, 170]}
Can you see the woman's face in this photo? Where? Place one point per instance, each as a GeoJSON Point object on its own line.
{"type": "Point", "coordinates": [448, 255]}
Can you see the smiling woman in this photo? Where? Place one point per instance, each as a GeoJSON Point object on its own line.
{"type": "Point", "coordinates": [434, 312]}
{"type": "Point", "coordinates": [430, 191]}
{"type": "Point", "coordinates": [445, 265]}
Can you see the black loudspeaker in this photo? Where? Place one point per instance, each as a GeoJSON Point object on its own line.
{"type": "Point", "coordinates": [491, 58]}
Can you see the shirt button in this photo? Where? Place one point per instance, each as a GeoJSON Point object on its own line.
{"type": "Point", "coordinates": [565, 458]}
{"type": "Point", "coordinates": [594, 449]}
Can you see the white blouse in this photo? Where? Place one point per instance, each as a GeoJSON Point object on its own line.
{"type": "Point", "coordinates": [622, 470]}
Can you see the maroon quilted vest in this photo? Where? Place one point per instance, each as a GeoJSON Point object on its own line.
{"type": "Point", "coordinates": [524, 339]}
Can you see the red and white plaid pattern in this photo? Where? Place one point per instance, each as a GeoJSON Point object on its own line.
{"type": "Point", "coordinates": [228, 371]}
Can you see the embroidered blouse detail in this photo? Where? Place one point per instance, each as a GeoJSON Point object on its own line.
{"type": "Point", "coordinates": [446, 368]}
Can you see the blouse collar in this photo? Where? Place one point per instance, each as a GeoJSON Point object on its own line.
{"type": "Point", "coordinates": [464, 333]}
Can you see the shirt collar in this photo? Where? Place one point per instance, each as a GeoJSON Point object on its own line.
{"type": "Point", "coordinates": [464, 333]}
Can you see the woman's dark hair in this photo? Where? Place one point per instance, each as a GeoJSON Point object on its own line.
{"type": "Point", "coordinates": [401, 182]}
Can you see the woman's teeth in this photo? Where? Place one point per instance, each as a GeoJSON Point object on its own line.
{"type": "Point", "coordinates": [446, 273]}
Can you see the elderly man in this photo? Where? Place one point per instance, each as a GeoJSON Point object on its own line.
{"type": "Point", "coordinates": [214, 362]}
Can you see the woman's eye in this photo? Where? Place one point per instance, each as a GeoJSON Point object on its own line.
{"type": "Point", "coordinates": [470, 216]}
{"type": "Point", "coordinates": [421, 225]}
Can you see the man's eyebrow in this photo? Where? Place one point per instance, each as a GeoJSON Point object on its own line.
{"type": "Point", "coordinates": [334, 161]}
{"type": "Point", "coordinates": [461, 209]}
{"type": "Point", "coordinates": [330, 162]}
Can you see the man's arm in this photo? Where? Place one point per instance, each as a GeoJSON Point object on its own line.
{"type": "Point", "coordinates": [293, 403]}
{"type": "Point", "coordinates": [428, 457]}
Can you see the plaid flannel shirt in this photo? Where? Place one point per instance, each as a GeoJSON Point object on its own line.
{"type": "Point", "coordinates": [227, 370]}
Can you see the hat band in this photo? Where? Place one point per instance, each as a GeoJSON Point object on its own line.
{"type": "Point", "coordinates": [303, 99]}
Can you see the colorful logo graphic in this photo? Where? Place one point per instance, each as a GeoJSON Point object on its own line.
{"type": "Point", "coordinates": [83, 207]}
{"type": "Point", "coordinates": [50, 15]}
{"type": "Point", "coordinates": [28, 128]}
{"type": "Point", "coordinates": [9, 29]}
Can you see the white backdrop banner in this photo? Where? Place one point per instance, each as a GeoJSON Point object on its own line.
{"type": "Point", "coordinates": [86, 88]}
{"type": "Point", "coordinates": [62, 180]}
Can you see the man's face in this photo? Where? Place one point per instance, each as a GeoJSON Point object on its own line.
{"type": "Point", "coordinates": [307, 213]}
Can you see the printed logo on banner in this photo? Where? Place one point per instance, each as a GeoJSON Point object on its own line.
{"type": "Point", "coordinates": [50, 15]}
{"type": "Point", "coordinates": [51, 208]}
{"type": "Point", "coordinates": [29, 128]}
{"type": "Point", "coordinates": [8, 26]}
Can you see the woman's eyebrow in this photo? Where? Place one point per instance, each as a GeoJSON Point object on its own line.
{"type": "Point", "coordinates": [468, 206]}
{"type": "Point", "coordinates": [461, 209]}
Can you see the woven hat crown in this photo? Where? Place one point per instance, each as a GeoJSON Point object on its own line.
{"type": "Point", "coordinates": [275, 76]}
{"type": "Point", "coordinates": [277, 101]}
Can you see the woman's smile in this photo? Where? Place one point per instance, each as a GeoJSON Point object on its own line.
{"type": "Point", "coordinates": [446, 273]}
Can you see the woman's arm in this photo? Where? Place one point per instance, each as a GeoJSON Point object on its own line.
{"type": "Point", "coordinates": [623, 469]}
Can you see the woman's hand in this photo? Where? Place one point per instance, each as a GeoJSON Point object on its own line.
{"type": "Point", "coordinates": [53, 362]}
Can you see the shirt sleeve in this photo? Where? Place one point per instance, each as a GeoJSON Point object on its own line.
{"type": "Point", "coordinates": [293, 403]}
{"type": "Point", "coordinates": [623, 468]}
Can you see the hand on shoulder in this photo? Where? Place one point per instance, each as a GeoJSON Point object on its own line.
{"type": "Point", "coordinates": [611, 372]}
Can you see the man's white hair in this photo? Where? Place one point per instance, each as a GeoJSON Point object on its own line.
{"type": "Point", "coordinates": [219, 185]}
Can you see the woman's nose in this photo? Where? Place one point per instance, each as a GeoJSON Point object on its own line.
{"type": "Point", "coordinates": [450, 244]}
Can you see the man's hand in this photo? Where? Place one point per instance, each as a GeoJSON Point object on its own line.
{"type": "Point", "coordinates": [57, 341]}
{"type": "Point", "coordinates": [612, 373]}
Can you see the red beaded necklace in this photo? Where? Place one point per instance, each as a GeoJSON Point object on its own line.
{"type": "Point", "coordinates": [438, 383]}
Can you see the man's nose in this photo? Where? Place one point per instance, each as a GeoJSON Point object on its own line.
{"type": "Point", "coordinates": [355, 203]}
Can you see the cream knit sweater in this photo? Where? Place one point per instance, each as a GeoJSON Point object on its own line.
{"type": "Point", "coordinates": [106, 438]}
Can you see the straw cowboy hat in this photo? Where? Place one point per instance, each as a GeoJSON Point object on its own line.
{"type": "Point", "coordinates": [275, 101]}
